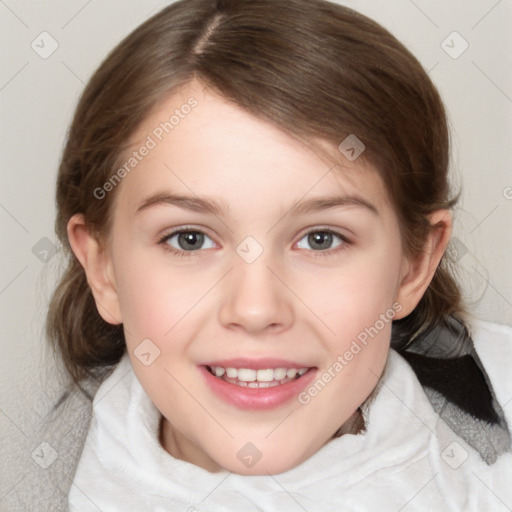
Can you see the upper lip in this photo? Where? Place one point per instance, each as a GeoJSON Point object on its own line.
{"type": "Point", "coordinates": [256, 364]}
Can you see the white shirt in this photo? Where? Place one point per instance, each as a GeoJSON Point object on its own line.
{"type": "Point", "coordinates": [407, 460]}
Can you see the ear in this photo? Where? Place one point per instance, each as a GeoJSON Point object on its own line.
{"type": "Point", "coordinates": [419, 271]}
{"type": "Point", "coordinates": [98, 269]}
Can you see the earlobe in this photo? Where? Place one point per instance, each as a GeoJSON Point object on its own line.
{"type": "Point", "coordinates": [419, 271]}
{"type": "Point", "coordinates": [98, 269]}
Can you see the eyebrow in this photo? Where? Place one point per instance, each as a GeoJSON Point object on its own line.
{"type": "Point", "coordinates": [206, 205]}
{"type": "Point", "coordinates": [195, 204]}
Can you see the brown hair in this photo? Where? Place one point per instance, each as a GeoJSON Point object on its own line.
{"type": "Point", "coordinates": [314, 69]}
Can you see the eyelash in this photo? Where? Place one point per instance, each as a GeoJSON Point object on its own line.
{"type": "Point", "coordinates": [186, 254]}
{"type": "Point", "coordinates": [345, 242]}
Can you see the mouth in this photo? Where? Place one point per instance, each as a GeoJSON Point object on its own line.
{"type": "Point", "coordinates": [257, 385]}
{"type": "Point", "coordinates": [261, 378]}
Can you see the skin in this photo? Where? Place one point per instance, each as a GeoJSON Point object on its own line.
{"type": "Point", "coordinates": [293, 302]}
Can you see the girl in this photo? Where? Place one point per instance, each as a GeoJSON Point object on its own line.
{"type": "Point", "coordinates": [255, 202]}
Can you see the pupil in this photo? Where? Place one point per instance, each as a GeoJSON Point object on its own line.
{"type": "Point", "coordinates": [322, 240]}
{"type": "Point", "coordinates": [190, 240]}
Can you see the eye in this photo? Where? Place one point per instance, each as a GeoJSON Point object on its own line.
{"type": "Point", "coordinates": [187, 241]}
{"type": "Point", "coordinates": [322, 240]}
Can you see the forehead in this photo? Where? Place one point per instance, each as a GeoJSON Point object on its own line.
{"type": "Point", "coordinates": [201, 144]}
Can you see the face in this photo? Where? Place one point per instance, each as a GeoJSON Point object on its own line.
{"type": "Point", "coordinates": [236, 250]}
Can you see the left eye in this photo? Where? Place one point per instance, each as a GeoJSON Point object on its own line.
{"type": "Point", "coordinates": [321, 240]}
{"type": "Point", "coordinates": [189, 241]}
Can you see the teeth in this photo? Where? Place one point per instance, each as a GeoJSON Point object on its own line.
{"type": "Point", "coordinates": [219, 371]}
{"type": "Point", "coordinates": [280, 373]}
{"type": "Point", "coordinates": [265, 375]}
{"type": "Point", "coordinates": [246, 375]}
{"type": "Point", "coordinates": [258, 378]}
{"type": "Point", "coordinates": [232, 373]}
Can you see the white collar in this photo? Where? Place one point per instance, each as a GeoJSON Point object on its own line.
{"type": "Point", "coordinates": [123, 466]}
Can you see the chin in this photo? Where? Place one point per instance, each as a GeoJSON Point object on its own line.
{"type": "Point", "coordinates": [274, 464]}
{"type": "Point", "coordinates": [262, 469]}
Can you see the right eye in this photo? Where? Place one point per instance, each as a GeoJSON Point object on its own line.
{"type": "Point", "coordinates": [187, 240]}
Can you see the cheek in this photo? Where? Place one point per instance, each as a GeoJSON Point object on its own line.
{"type": "Point", "coordinates": [354, 295]}
{"type": "Point", "coordinates": [153, 296]}
{"type": "Point", "coordinates": [355, 302]}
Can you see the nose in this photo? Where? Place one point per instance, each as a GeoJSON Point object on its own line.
{"type": "Point", "coordinates": [255, 300]}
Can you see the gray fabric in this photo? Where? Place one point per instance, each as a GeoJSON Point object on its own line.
{"type": "Point", "coordinates": [64, 429]}
{"type": "Point", "coordinates": [66, 425]}
{"type": "Point", "coordinates": [490, 441]}
{"type": "Point", "coordinates": [450, 340]}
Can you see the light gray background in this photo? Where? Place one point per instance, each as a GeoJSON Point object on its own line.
{"type": "Point", "coordinates": [38, 96]}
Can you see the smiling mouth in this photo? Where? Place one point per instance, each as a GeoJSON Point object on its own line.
{"type": "Point", "coordinates": [263, 378]}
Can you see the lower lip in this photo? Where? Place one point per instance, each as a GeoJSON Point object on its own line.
{"type": "Point", "coordinates": [257, 398]}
